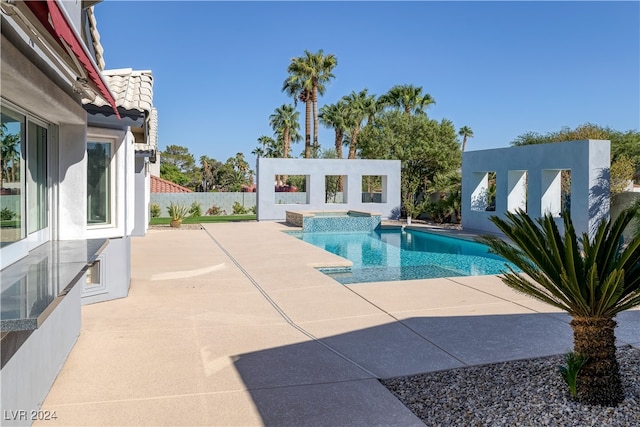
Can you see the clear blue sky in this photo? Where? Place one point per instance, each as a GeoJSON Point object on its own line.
{"type": "Point", "coordinates": [501, 68]}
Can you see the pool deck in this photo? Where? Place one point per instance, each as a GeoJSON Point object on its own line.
{"type": "Point", "coordinates": [232, 326]}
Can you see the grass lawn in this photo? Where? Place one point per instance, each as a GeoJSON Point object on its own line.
{"type": "Point", "coordinates": [203, 219]}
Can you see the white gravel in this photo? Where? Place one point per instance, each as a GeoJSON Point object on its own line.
{"type": "Point", "coordinates": [519, 393]}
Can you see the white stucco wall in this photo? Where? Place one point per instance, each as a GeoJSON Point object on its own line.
{"type": "Point", "coordinates": [316, 170]}
{"type": "Point", "coordinates": [588, 161]}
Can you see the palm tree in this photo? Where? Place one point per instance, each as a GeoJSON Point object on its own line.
{"type": "Point", "coordinates": [593, 279]}
{"type": "Point", "coordinates": [357, 112]}
{"type": "Point", "coordinates": [335, 116]}
{"type": "Point", "coordinates": [465, 132]}
{"type": "Point", "coordinates": [258, 152]}
{"type": "Point", "coordinates": [9, 153]}
{"type": "Point", "coordinates": [308, 75]}
{"type": "Point", "coordinates": [284, 122]}
{"type": "Point", "coordinates": [407, 98]}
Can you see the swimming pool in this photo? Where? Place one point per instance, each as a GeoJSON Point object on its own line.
{"type": "Point", "coordinates": [386, 255]}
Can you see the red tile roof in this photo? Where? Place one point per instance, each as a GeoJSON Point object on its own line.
{"type": "Point", "coordinates": [159, 185]}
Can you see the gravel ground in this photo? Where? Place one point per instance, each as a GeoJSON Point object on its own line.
{"type": "Point", "coordinates": [520, 393]}
{"type": "Point", "coordinates": [182, 227]}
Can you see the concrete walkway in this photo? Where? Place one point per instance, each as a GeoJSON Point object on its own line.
{"type": "Point", "coordinates": [232, 325]}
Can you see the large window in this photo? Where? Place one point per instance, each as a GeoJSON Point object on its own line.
{"type": "Point", "coordinates": [99, 183]}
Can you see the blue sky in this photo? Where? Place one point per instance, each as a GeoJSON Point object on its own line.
{"type": "Point", "coordinates": [501, 68]}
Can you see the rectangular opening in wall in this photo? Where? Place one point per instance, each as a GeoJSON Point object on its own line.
{"type": "Point", "coordinates": [291, 189]}
{"type": "Point", "coordinates": [93, 275]}
{"type": "Point", "coordinates": [517, 198]}
{"type": "Point", "coordinates": [334, 189]}
{"type": "Point", "coordinates": [556, 191]}
{"type": "Point", "coordinates": [483, 197]}
{"type": "Point", "coordinates": [374, 189]}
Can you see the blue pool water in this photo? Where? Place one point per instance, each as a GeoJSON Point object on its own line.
{"type": "Point", "coordinates": [385, 255]}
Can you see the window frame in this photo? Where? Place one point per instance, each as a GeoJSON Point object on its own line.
{"type": "Point", "coordinates": [110, 222]}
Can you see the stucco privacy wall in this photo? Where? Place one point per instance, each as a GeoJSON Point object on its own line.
{"type": "Point", "coordinates": [316, 170]}
{"type": "Point", "coordinates": [588, 161]}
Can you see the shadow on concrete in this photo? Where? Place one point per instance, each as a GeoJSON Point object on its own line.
{"type": "Point", "coordinates": [333, 381]}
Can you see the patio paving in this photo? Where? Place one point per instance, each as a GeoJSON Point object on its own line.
{"type": "Point", "coordinates": [232, 326]}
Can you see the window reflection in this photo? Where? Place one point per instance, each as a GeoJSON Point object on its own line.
{"type": "Point", "coordinates": [12, 129]}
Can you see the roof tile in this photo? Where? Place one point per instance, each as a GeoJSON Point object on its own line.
{"type": "Point", "coordinates": [159, 185]}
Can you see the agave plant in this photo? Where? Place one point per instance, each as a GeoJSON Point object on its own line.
{"type": "Point", "coordinates": [592, 279]}
{"type": "Point", "coordinates": [177, 213]}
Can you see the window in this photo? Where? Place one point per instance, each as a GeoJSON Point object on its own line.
{"type": "Point", "coordinates": [99, 183]}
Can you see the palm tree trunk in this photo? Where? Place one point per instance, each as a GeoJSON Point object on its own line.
{"type": "Point", "coordinates": [315, 122]}
{"type": "Point", "coordinates": [285, 150]}
{"type": "Point", "coordinates": [464, 143]}
{"type": "Point", "coordinates": [307, 130]}
{"type": "Point", "coordinates": [338, 143]}
{"type": "Point", "coordinates": [354, 143]}
{"type": "Point", "coordinates": [599, 379]}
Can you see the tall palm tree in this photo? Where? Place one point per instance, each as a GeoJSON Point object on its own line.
{"type": "Point", "coordinates": [335, 116]}
{"type": "Point", "coordinates": [308, 75]}
{"type": "Point", "coordinates": [465, 132]}
{"type": "Point", "coordinates": [357, 112]}
{"type": "Point", "coordinates": [408, 98]}
{"type": "Point", "coordinates": [284, 122]}
{"type": "Point", "coordinates": [593, 279]}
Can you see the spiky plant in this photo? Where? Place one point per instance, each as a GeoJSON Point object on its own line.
{"type": "Point", "coordinates": [592, 279]}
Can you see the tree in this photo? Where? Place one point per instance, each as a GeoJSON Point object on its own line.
{"type": "Point", "coordinates": [208, 168]}
{"type": "Point", "coordinates": [357, 110]}
{"type": "Point", "coordinates": [308, 75]}
{"type": "Point", "coordinates": [465, 132]}
{"type": "Point", "coordinates": [424, 146]}
{"type": "Point", "coordinates": [179, 166]}
{"type": "Point", "coordinates": [335, 116]}
{"type": "Point", "coordinates": [234, 173]}
{"type": "Point", "coordinates": [284, 122]}
{"type": "Point", "coordinates": [591, 279]}
{"type": "Point", "coordinates": [623, 144]}
{"type": "Point", "coordinates": [407, 98]}
{"type": "Point", "coordinates": [9, 154]}
{"type": "Point", "coordinates": [622, 171]}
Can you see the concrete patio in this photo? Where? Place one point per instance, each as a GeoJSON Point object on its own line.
{"type": "Point", "coordinates": [232, 326]}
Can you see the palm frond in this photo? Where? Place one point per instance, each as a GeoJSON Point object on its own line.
{"type": "Point", "coordinates": [597, 276]}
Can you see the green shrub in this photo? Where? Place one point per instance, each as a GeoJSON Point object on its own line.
{"type": "Point", "coordinates": [196, 209]}
{"type": "Point", "coordinates": [238, 209]}
{"type": "Point", "coordinates": [254, 210]}
{"type": "Point", "coordinates": [214, 210]}
{"type": "Point", "coordinates": [154, 209]}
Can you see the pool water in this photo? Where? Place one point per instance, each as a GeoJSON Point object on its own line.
{"type": "Point", "coordinates": [386, 255]}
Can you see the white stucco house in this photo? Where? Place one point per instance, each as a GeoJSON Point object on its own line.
{"type": "Point", "coordinates": [76, 147]}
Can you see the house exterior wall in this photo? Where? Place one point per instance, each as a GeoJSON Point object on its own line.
{"type": "Point", "coordinates": [588, 161]}
{"type": "Point", "coordinates": [28, 376]}
{"type": "Point", "coordinates": [316, 170]}
{"type": "Point", "coordinates": [142, 198]}
{"type": "Point", "coordinates": [39, 88]}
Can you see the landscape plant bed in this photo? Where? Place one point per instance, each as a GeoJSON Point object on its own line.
{"type": "Point", "coordinates": [524, 392]}
{"type": "Point", "coordinates": [205, 219]}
